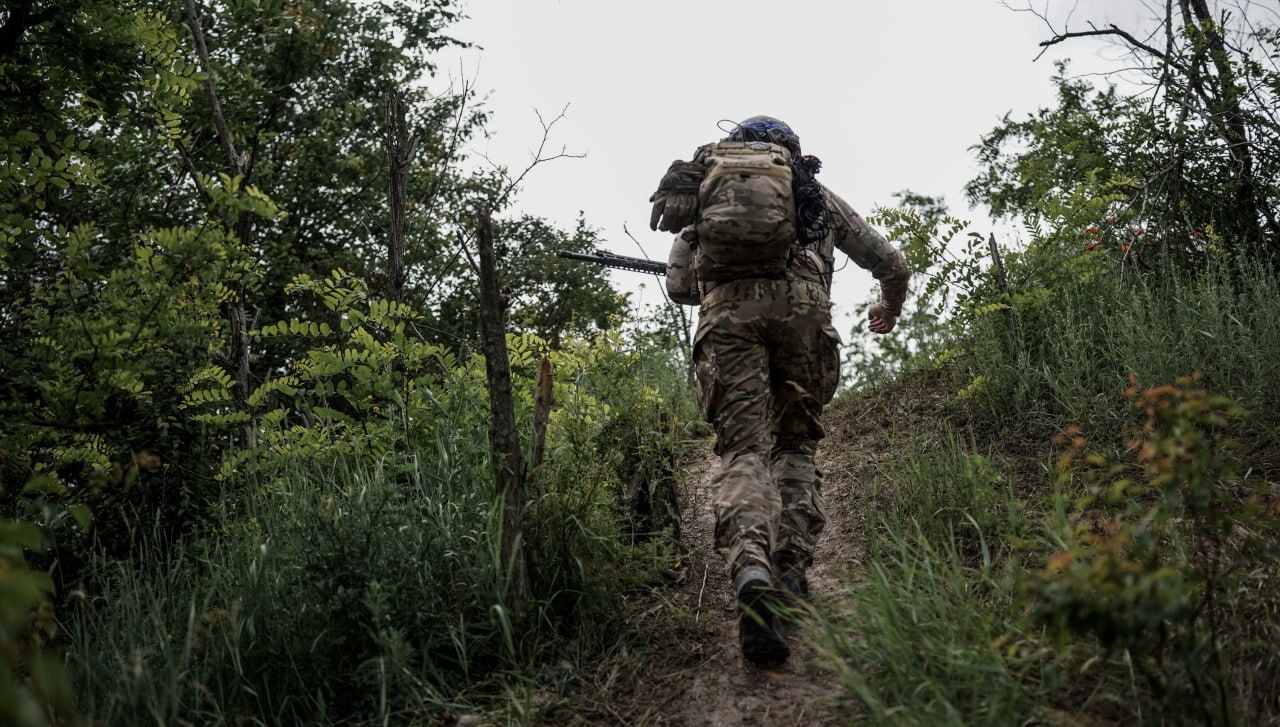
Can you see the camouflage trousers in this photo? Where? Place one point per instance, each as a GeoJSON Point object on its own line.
{"type": "Point", "coordinates": [767, 361]}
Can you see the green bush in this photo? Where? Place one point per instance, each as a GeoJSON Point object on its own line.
{"type": "Point", "coordinates": [1160, 553]}
{"type": "Point", "coordinates": [352, 570]}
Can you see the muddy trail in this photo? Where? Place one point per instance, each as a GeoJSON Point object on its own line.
{"type": "Point", "coordinates": [688, 669]}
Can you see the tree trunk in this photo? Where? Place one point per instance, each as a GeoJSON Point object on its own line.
{"type": "Point", "coordinates": [237, 315]}
{"type": "Point", "coordinates": [1254, 214]}
{"type": "Point", "coordinates": [503, 437]}
{"type": "Point", "coordinates": [399, 153]}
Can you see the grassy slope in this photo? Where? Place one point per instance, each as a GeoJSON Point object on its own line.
{"type": "Point", "coordinates": [1005, 584]}
{"type": "Point", "coordinates": [340, 589]}
{"type": "Point", "coordinates": [972, 575]}
{"type": "Point", "coordinates": [982, 586]}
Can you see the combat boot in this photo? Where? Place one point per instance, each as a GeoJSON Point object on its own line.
{"type": "Point", "coordinates": [759, 628]}
{"type": "Point", "coordinates": [791, 577]}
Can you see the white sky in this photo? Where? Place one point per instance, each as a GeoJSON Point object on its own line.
{"type": "Point", "coordinates": [889, 94]}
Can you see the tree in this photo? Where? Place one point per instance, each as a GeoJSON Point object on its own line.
{"type": "Point", "coordinates": [98, 326]}
{"type": "Point", "coordinates": [546, 296]}
{"type": "Point", "coordinates": [302, 89]}
{"type": "Point", "coordinates": [99, 322]}
{"type": "Point", "coordinates": [1189, 157]}
{"type": "Point", "coordinates": [142, 226]}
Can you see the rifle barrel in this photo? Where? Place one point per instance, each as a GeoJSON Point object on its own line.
{"type": "Point", "coordinates": [621, 262]}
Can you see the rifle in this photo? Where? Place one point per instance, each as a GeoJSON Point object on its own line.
{"type": "Point", "coordinates": [621, 262]}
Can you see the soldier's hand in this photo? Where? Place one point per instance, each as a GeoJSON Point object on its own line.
{"type": "Point", "coordinates": [675, 204]}
{"type": "Point", "coordinates": [880, 321]}
{"type": "Point", "coordinates": [672, 212]}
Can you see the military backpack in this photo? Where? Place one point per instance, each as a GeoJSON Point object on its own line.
{"type": "Point", "coordinates": [746, 219]}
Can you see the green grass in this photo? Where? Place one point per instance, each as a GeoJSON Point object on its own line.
{"type": "Point", "coordinates": [1071, 355]}
{"type": "Point", "coordinates": [337, 593]}
{"type": "Point", "coordinates": [925, 636]}
{"type": "Point", "coordinates": [944, 626]}
{"type": "Point", "coordinates": [347, 590]}
{"type": "Point", "coordinates": [921, 642]}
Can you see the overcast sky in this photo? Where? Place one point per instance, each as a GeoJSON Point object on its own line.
{"type": "Point", "coordinates": [890, 95]}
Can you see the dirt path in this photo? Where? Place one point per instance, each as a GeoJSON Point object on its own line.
{"type": "Point", "coordinates": [684, 668]}
{"type": "Point", "coordinates": [694, 674]}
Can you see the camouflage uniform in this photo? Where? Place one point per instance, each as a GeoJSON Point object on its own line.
{"type": "Point", "coordinates": [767, 362]}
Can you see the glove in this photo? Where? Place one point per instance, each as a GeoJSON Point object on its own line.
{"type": "Point", "coordinates": [672, 212]}
{"type": "Point", "coordinates": [675, 204]}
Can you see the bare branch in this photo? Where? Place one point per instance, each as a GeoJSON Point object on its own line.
{"type": "Point", "coordinates": [1043, 15]}
{"type": "Point", "coordinates": [219, 121]}
{"type": "Point", "coordinates": [538, 156]}
{"type": "Point", "coordinates": [455, 139]}
{"type": "Point", "coordinates": [680, 317]}
{"type": "Point", "coordinates": [464, 250]}
{"type": "Point", "coordinates": [190, 166]}
{"type": "Point", "coordinates": [400, 149]}
{"type": "Point", "coordinates": [1109, 30]}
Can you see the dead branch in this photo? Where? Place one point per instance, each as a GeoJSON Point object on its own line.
{"type": "Point", "coordinates": [1113, 30]}
{"type": "Point", "coordinates": [536, 157]}
{"type": "Point", "coordinates": [509, 473]}
{"type": "Point", "coordinates": [400, 150]}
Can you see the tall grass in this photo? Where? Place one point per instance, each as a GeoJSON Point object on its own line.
{"type": "Point", "coordinates": [337, 586]}
{"type": "Point", "coordinates": [943, 626]}
{"type": "Point", "coordinates": [922, 642]}
{"type": "Point", "coordinates": [344, 589]}
{"type": "Point", "coordinates": [925, 635]}
{"type": "Point", "coordinates": [1068, 358]}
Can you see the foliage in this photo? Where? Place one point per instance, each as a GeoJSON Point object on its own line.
{"type": "Point", "coordinates": [305, 89]}
{"type": "Point", "coordinates": [361, 579]}
{"type": "Point", "coordinates": [34, 688]}
{"type": "Point", "coordinates": [1162, 560]}
{"type": "Point", "coordinates": [127, 243]}
{"type": "Point", "coordinates": [304, 86]}
{"type": "Point", "coordinates": [1025, 165]}
{"type": "Point", "coordinates": [950, 267]}
{"type": "Point", "coordinates": [353, 393]}
{"type": "Point", "coordinates": [82, 307]}
{"type": "Point", "coordinates": [114, 268]}
{"type": "Point", "coordinates": [367, 387]}
{"type": "Point", "coordinates": [1148, 255]}
{"type": "Point", "coordinates": [1188, 156]}
{"type": "Point", "coordinates": [119, 253]}
{"type": "Point", "coordinates": [95, 324]}
{"type": "Point", "coordinates": [1157, 552]}
{"type": "Point", "coordinates": [550, 297]}
{"type": "Point", "coordinates": [1082, 317]}
{"type": "Point", "coordinates": [1090, 297]}
{"type": "Point", "coordinates": [1172, 574]}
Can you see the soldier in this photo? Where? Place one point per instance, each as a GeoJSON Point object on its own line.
{"type": "Point", "coordinates": [767, 362]}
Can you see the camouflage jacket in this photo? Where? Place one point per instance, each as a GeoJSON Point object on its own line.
{"type": "Point", "coordinates": [813, 263]}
